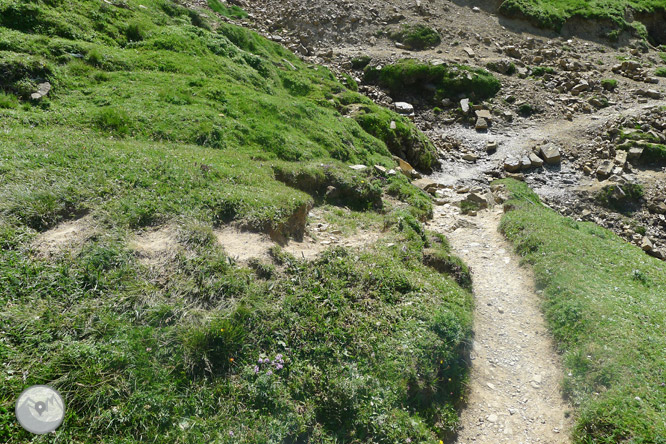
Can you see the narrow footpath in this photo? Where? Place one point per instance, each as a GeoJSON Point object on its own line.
{"type": "Point", "coordinates": [514, 393]}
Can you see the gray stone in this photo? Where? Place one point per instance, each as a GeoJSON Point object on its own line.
{"type": "Point", "coordinates": [358, 167]}
{"type": "Point", "coordinates": [464, 104]}
{"type": "Point", "coordinates": [477, 199]}
{"type": "Point", "coordinates": [404, 108]}
{"type": "Point", "coordinates": [512, 165]}
{"type": "Point", "coordinates": [550, 153]}
{"type": "Point", "coordinates": [634, 153]}
{"type": "Point", "coordinates": [380, 169]}
{"type": "Point", "coordinates": [646, 244]}
{"type": "Point", "coordinates": [605, 169]}
{"type": "Point", "coordinates": [525, 163]}
{"type": "Point", "coordinates": [653, 94]}
{"type": "Point", "coordinates": [491, 147]}
{"type": "Point", "coordinates": [469, 51]}
{"type": "Point", "coordinates": [481, 124]}
{"type": "Point", "coordinates": [536, 160]}
{"type": "Point", "coordinates": [471, 157]}
{"type": "Point", "coordinates": [621, 158]}
{"type": "Point", "coordinates": [426, 185]}
{"type": "Point", "coordinates": [483, 114]}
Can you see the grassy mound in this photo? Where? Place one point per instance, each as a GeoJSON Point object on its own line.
{"type": "Point", "coordinates": [416, 36]}
{"type": "Point", "coordinates": [160, 120]}
{"type": "Point", "coordinates": [434, 81]}
{"type": "Point", "coordinates": [603, 299]}
{"type": "Point", "coordinates": [553, 14]}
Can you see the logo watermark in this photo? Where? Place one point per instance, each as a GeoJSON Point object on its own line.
{"type": "Point", "coordinates": [40, 409]}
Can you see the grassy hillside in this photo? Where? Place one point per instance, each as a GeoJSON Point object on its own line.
{"type": "Point", "coordinates": [604, 301]}
{"type": "Point", "coordinates": [554, 13]}
{"type": "Point", "coordinates": [160, 116]}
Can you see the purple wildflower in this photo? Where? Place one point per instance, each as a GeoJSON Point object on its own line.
{"type": "Point", "coordinates": [278, 366]}
{"type": "Point", "coordinates": [256, 369]}
{"type": "Point", "coordinates": [231, 433]}
{"type": "Point", "coordinates": [269, 372]}
{"type": "Point", "coordinates": [261, 361]}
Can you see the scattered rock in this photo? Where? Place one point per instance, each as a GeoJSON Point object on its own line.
{"type": "Point", "coordinates": [512, 165]}
{"type": "Point", "coordinates": [536, 160]}
{"type": "Point", "coordinates": [464, 104]}
{"type": "Point", "coordinates": [481, 124]}
{"type": "Point", "coordinates": [483, 114]}
{"type": "Point", "coordinates": [646, 244]}
{"type": "Point", "coordinates": [404, 108]}
{"type": "Point", "coordinates": [43, 90]}
{"type": "Point", "coordinates": [550, 153]}
{"type": "Point", "coordinates": [358, 167]}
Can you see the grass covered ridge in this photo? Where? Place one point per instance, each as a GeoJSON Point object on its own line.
{"type": "Point", "coordinates": [161, 117]}
{"type": "Point", "coordinates": [553, 14]}
{"type": "Point", "coordinates": [604, 302]}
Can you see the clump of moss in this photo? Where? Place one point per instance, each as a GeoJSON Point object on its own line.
{"type": "Point", "coordinates": [417, 36]}
{"type": "Point", "coordinates": [609, 84]}
{"type": "Point", "coordinates": [540, 71]}
{"type": "Point", "coordinates": [450, 81]}
{"type": "Point", "coordinates": [360, 62]}
{"type": "Point", "coordinates": [620, 197]}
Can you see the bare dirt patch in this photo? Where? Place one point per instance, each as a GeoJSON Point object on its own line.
{"type": "Point", "coordinates": [243, 245]}
{"type": "Point", "coordinates": [67, 236]}
{"type": "Point", "coordinates": [155, 246]}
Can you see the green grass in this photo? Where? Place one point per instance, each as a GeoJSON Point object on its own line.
{"type": "Point", "coordinates": [227, 11]}
{"type": "Point", "coordinates": [609, 84]}
{"type": "Point", "coordinates": [409, 75]}
{"type": "Point", "coordinates": [161, 117]}
{"type": "Point", "coordinates": [553, 14]}
{"type": "Point", "coordinates": [540, 71]}
{"type": "Point", "coordinates": [603, 299]}
{"type": "Point", "coordinates": [8, 101]}
{"type": "Point", "coordinates": [660, 72]}
{"type": "Point", "coordinates": [662, 55]}
{"type": "Point", "coordinates": [416, 36]}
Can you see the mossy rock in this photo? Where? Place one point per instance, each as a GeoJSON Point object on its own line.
{"type": "Point", "coordinates": [409, 76]}
{"type": "Point", "coordinates": [417, 36]}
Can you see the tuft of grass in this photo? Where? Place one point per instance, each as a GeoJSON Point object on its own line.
{"type": "Point", "coordinates": [227, 11]}
{"type": "Point", "coordinates": [660, 72]}
{"type": "Point", "coordinates": [360, 62]}
{"type": "Point", "coordinates": [8, 101]}
{"type": "Point", "coordinates": [527, 109]}
{"type": "Point", "coordinates": [452, 81]}
{"type": "Point", "coordinates": [509, 69]}
{"type": "Point", "coordinates": [609, 84]}
{"type": "Point", "coordinates": [540, 71]}
{"type": "Point", "coordinates": [597, 286]}
{"type": "Point", "coordinates": [416, 36]}
{"type": "Point", "coordinates": [622, 198]}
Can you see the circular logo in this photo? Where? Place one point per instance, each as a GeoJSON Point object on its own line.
{"type": "Point", "coordinates": [40, 409]}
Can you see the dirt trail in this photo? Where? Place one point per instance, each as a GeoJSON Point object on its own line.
{"type": "Point", "coordinates": [515, 392]}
